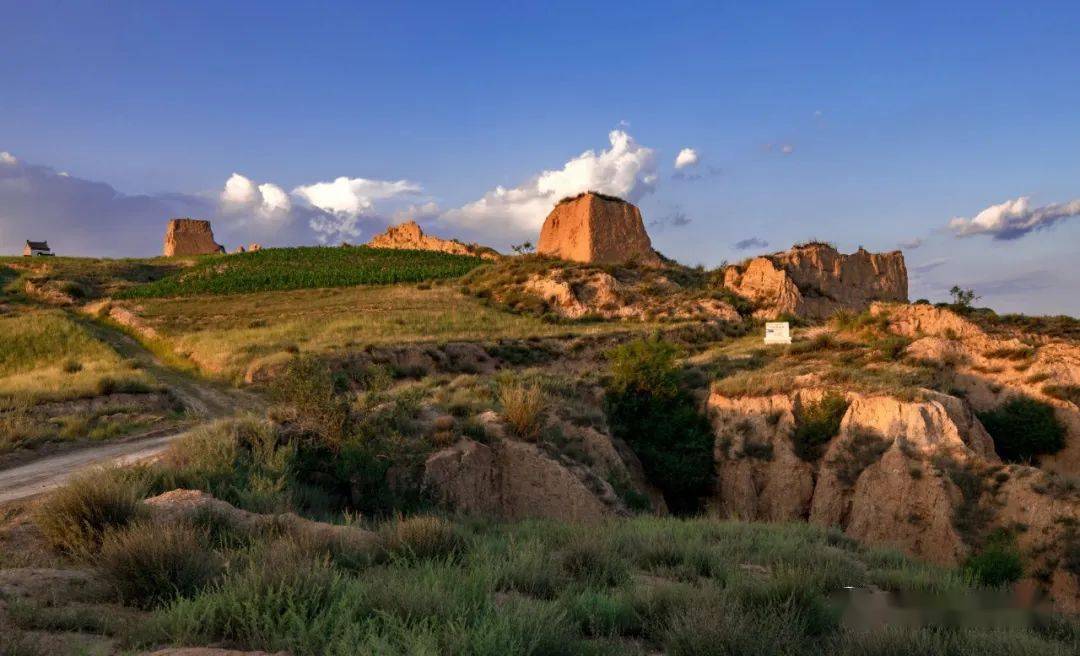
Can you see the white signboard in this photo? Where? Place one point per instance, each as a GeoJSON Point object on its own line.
{"type": "Point", "coordinates": [777, 332]}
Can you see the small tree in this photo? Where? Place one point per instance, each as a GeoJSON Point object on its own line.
{"type": "Point", "coordinates": [963, 298]}
{"type": "Point", "coordinates": [524, 248]}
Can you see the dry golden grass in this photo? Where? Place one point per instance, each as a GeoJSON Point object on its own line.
{"type": "Point", "coordinates": [47, 356]}
{"type": "Point", "coordinates": [523, 409]}
{"type": "Point", "coordinates": [224, 334]}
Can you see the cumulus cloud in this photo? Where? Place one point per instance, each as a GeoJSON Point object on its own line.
{"type": "Point", "coordinates": [686, 157]}
{"type": "Point", "coordinates": [1014, 219]}
{"type": "Point", "coordinates": [347, 202]}
{"type": "Point", "coordinates": [752, 242]}
{"type": "Point", "coordinates": [912, 244]}
{"type": "Point", "coordinates": [8, 158]}
{"type": "Point", "coordinates": [626, 169]}
{"type": "Point", "coordinates": [266, 200]}
{"type": "Point", "coordinates": [352, 196]}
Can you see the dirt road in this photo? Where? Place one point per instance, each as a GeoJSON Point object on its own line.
{"type": "Point", "coordinates": [204, 400]}
{"type": "Point", "coordinates": [49, 472]}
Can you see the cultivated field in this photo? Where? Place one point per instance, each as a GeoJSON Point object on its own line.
{"type": "Point", "coordinates": [305, 268]}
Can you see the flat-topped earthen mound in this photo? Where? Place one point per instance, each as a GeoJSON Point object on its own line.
{"type": "Point", "coordinates": [409, 235]}
{"type": "Point", "coordinates": [190, 237]}
{"type": "Point", "coordinates": [815, 280]}
{"type": "Point", "coordinates": [592, 227]}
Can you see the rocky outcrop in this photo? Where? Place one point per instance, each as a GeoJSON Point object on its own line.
{"type": "Point", "coordinates": [919, 476]}
{"type": "Point", "coordinates": [512, 479]}
{"type": "Point", "coordinates": [592, 227]}
{"type": "Point", "coordinates": [814, 281]}
{"type": "Point", "coordinates": [190, 237]}
{"type": "Point", "coordinates": [408, 235]}
{"type": "Point", "coordinates": [990, 370]}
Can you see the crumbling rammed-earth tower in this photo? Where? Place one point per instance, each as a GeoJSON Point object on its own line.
{"type": "Point", "coordinates": [190, 237]}
{"type": "Point", "coordinates": [593, 227]}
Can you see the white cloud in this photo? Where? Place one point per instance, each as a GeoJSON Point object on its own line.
{"type": "Point", "coordinates": [264, 201]}
{"type": "Point", "coordinates": [274, 198]}
{"type": "Point", "coordinates": [626, 169]}
{"type": "Point", "coordinates": [353, 196]}
{"type": "Point", "coordinates": [912, 244]}
{"type": "Point", "coordinates": [7, 158]}
{"type": "Point", "coordinates": [1014, 218]}
{"type": "Point", "coordinates": [332, 210]}
{"type": "Point", "coordinates": [787, 149]}
{"type": "Point", "coordinates": [686, 157]}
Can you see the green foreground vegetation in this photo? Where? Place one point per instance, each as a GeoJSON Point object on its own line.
{"type": "Point", "coordinates": [429, 585]}
{"type": "Point", "coordinates": [276, 269]}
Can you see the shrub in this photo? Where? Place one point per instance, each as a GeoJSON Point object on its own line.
{"type": "Point", "coordinates": [649, 409]}
{"type": "Point", "coordinates": [1023, 428]}
{"type": "Point", "coordinates": [72, 366]}
{"type": "Point", "coordinates": [149, 564]}
{"type": "Point", "coordinates": [75, 518]}
{"type": "Point", "coordinates": [998, 563]}
{"type": "Point", "coordinates": [816, 423]}
{"type": "Point", "coordinates": [309, 388]}
{"type": "Point", "coordinates": [421, 537]}
{"type": "Point", "coordinates": [523, 409]}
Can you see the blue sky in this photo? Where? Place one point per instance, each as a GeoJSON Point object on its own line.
{"type": "Point", "coordinates": [867, 124]}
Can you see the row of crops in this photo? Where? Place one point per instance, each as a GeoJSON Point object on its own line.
{"type": "Point", "coordinates": [303, 268]}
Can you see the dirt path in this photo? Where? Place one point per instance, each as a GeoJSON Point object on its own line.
{"type": "Point", "coordinates": [201, 397]}
{"type": "Point", "coordinates": [204, 400]}
{"type": "Point", "coordinates": [47, 473]}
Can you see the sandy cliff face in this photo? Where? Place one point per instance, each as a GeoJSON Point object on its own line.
{"type": "Point", "coordinates": [991, 369]}
{"type": "Point", "coordinates": [409, 235]}
{"type": "Point", "coordinates": [595, 228]}
{"type": "Point", "coordinates": [815, 281]}
{"type": "Point", "coordinates": [190, 237]}
{"type": "Point", "coordinates": [920, 476]}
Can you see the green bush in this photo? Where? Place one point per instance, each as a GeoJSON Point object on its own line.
{"type": "Point", "coordinates": [1023, 428]}
{"type": "Point", "coordinates": [649, 409]}
{"type": "Point", "coordinates": [74, 518]}
{"type": "Point", "coordinates": [998, 563]}
{"type": "Point", "coordinates": [816, 423]}
{"type": "Point", "coordinates": [149, 564]}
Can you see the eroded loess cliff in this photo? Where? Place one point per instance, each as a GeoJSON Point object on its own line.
{"type": "Point", "coordinates": [815, 280]}
{"type": "Point", "coordinates": [920, 476]}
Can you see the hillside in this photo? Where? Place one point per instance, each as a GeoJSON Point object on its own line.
{"type": "Point", "coordinates": [536, 456]}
